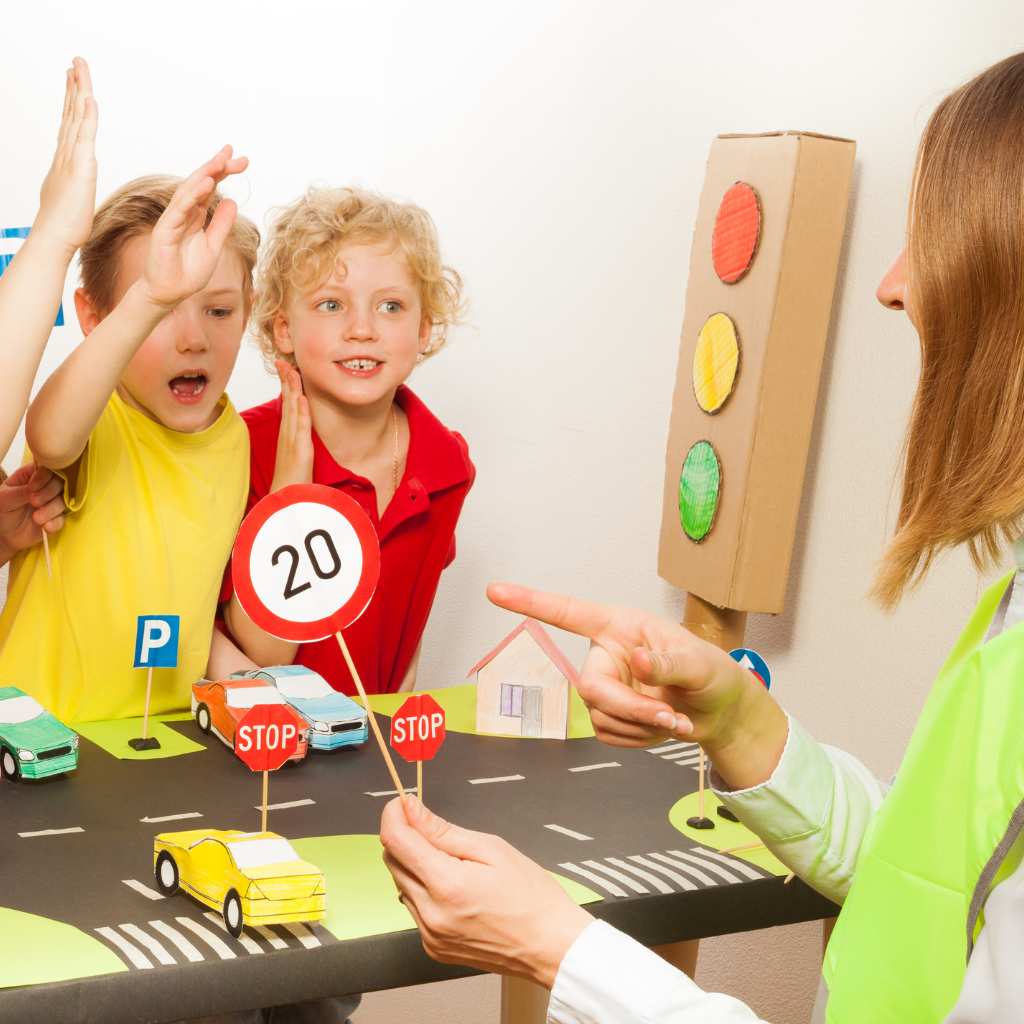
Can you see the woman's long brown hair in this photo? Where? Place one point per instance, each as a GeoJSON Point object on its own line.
{"type": "Point", "coordinates": [963, 463]}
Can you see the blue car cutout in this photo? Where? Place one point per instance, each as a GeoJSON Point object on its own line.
{"type": "Point", "coordinates": [335, 721]}
{"type": "Point", "coordinates": [33, 744]}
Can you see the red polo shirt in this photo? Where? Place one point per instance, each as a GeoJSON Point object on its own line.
{"type": "Point", "coordinates": [417, 539]}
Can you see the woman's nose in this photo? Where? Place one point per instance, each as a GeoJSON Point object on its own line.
{"type": "Point", "coordinates": [893, 287]}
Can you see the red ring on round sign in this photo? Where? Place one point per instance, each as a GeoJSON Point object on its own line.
{"type": "Point", "coordinates": [261, 615]}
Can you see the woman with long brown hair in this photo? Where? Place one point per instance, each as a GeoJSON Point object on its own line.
{"type": "Point", "coordinates": [929, 873]}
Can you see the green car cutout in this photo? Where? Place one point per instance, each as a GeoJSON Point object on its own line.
{"type": "Point", "coordinates": [33, 744]}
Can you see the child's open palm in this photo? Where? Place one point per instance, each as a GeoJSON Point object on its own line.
{"type": "Point", "coordinates": [294, 462]}
{"type": "Point", "coordinates": [68, 195]}
{"type": "Point", "coordinates": [184, 249]}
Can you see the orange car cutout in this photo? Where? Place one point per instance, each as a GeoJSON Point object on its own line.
{"type": "Point", "coordinates": [219, 705]}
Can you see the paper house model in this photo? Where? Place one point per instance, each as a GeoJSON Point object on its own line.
{"type": "Point", "coordinates": [522, 686]}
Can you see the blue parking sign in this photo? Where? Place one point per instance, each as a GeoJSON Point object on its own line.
{"type": "Point", "coordinates": [750, 659]}
{"type": "Point", "coordinates": [156, 641]}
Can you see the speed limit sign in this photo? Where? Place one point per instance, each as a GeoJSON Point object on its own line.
{"type": "Point", "coordinates": [306, 562]}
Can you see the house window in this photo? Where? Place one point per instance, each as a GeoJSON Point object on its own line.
{"type": "Point", "coordinates": [512, 699]}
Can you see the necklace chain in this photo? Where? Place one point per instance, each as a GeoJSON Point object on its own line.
{"type": "Point", "coordinates": [394, 464]}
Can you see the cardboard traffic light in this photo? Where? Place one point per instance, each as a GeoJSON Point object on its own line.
{"type": "Point", "coordinates": [763, 269]}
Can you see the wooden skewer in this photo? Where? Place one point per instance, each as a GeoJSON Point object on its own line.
{"type": "Point", "coordinates": [745, 846]}
{"type": "Point", "coordinates": [46, 554]}
{"type": "Point", "coordinates": [370, 715]}
{"type": "Point", "coordinates": [700, 786]}
{"type": "Point", "coordinates": [419, 780]}
{"type": "Point", "coordinates": [145, 710]}
{"type": "Point", "coordinates": [263, 820]}
{"type": "Point", "coordinates": [789, 878]}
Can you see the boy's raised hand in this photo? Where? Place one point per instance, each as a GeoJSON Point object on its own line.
{"type": "Point", "coordinates": [294, 462]}
{"type": "Point", "coordinates": [68, 194]}
{"type": "Point", "coordinates": [184, 249]}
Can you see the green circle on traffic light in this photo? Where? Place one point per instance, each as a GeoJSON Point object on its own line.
{"type": "Point", "coordinates": [700, 484]}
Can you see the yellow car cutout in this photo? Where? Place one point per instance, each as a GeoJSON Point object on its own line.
{"type": "Point", "coordinates": [250, 877]}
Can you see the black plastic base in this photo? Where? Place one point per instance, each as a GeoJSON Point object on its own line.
{"type": "Point", "coordinates": [149, 743]}
{"type": "Point", "coordinates": [696, 822]}
{"type": "Point", "coordinates": [724, 812]}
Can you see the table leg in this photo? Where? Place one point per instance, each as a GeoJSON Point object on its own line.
{"type": "Point", "coordinates": [681, 955]}
{"type": "Point", "coordinates": [523, 1002]}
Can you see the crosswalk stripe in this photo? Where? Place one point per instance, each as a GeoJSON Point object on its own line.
{"type": "Point", "coordinates": [570, 833]}
{"type": "Point", "coordinates": [213, 941]}
{"type": "Point", "coordinates": [681, 755]}
{"type": "Point", "coordinates": [645, 875]}
{"type": "Point", "coordinates": [136, 933]}
{"type": "Point", "coordinates": [303, 934]}
{"type": "Point", "coordinates": [688, 868]}
{"type": "Point", "coordinates": [669, 746]}
{"type": "Point", "coordinates": [626, 880]}
{"type": "Point", "coordinates": [243, 939]}
{"type": "Point", "coordinates": [137, 957]}
{"type": "Point", "coordinates": [191, 953]}
{"type": "Point", "coordinates": [736, 863]}
{"type": "Point", "coordinates": [681, 880]}
{"type": "Point", "coordinates": [707, 864]}
{"type": "Point", "coordinates": [150, 894]}
{"type": "Point", "coordinates": [273, 938]}
{"type": "Point", "coordinates": [601, 883]}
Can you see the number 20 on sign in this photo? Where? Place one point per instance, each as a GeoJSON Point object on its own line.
{"type": "Point", "coordinates": [305, 565]}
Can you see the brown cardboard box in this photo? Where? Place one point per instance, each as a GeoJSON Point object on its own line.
{"type": "Point", "coordinates": [781, 310]}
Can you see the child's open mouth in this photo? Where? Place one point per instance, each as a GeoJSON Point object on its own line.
{"type": "Point", "coordinates": [360, 367]}
{"type": "Point", "coordinates": [189, 387]}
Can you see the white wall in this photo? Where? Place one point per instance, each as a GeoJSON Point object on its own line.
{"type": "Point", "coordinates": [561, 148]}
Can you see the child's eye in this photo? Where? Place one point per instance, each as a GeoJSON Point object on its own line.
{"type": "Point", "coordinates": [329, 306]}
{"type": "Point", "coordinates": [220, 312]}
{"type": "Point", "coordinates": [390, 306]}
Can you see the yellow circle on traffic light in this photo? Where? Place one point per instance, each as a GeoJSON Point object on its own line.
{"type": "Point", "coordinates": [715, 362]}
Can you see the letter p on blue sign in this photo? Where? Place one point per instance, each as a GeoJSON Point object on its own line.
{"type": "Point", "coordinates": [156, 641]}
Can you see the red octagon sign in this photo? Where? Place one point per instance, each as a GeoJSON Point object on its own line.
{"type": "Point", "coordinates": [417, 729]}
{"type": "Point", "coordinates": [267, 736]}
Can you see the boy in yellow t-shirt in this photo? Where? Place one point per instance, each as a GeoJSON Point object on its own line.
{"type": "Point", "coordinates": [152, 453]}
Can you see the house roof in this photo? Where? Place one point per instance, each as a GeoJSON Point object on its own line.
{"type": "Point", "coordinates": [543, 640]}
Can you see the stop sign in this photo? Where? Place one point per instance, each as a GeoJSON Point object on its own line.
{"type": "Point", "coordinates": [267, 736]}
{"type": "Point", "coordinates": [417, 729]}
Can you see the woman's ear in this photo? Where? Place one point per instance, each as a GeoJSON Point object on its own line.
{"type": "Point", "coordinates": [283, 335]}
{"type": "Point", "coordinates": [426, 330]}
{"type": "Point", "coordinates": [88, 315]}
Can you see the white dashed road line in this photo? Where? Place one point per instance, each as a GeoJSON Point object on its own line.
{"type": "Point", "coordinates": [171, 817]}
{"type": "Point", "coordinates": [150, 894]}
{"type": "Point", "coordinates": [498, 778]}
{"type": "Point", "coordinates": [592, 767]}
{"type": "Point", "coordinates": [50, 832]}
{"type": "Point", "coordinates": [383, 792]}
{"type": "Point", "coordinates": [570, 833]}
{"type": "Point", "coordinates": [291, 803]}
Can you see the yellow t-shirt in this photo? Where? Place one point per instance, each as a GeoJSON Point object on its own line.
{"type": "Point", "coordinates": [153, 516]}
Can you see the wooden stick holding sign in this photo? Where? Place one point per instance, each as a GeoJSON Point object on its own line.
{"type": "Point", "coordinates": [372, 718]}
{"type": "Point", "coordinates": [305, 566]}
{"type": "Point", "coordinates": [417, 732]}
{"type": "Point", "coordinates": [156, 646]}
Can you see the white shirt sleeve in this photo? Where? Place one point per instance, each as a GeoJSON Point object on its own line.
{"type": "Point", "coordinates": [813, 811]}
{"type": "Point", "coordinates": [608, 978]}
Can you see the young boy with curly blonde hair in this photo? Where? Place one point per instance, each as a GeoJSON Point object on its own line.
{"type": "Point", "coordinates": [152, 454]}
{"type": "Point", "coordinates": [351, 295]}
